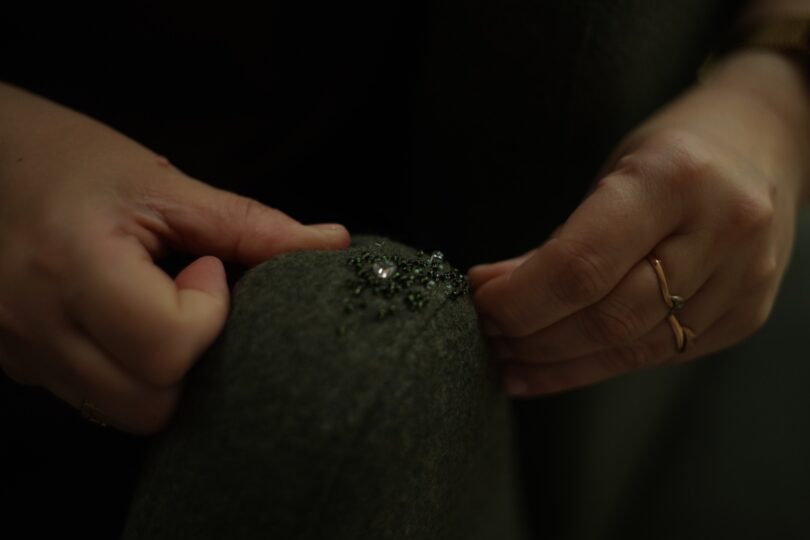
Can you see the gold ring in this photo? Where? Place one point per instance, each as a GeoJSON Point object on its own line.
{"type": "Point", "coordinates": [684, 336]}
{"type": "Point", "coordinates": [92, 413]}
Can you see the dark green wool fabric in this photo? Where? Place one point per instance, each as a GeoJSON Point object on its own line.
{"type": "Point", "coordinates": [308, 419]}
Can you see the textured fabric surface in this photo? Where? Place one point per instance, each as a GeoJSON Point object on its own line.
{"type": "Point", "coordinates": [304, 421]}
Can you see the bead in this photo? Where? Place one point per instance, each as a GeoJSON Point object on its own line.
{"type": "Point", "coordinates": [396, 280]}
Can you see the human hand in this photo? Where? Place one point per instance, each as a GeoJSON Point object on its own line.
{"type": "Point", "coordinates": [84, 311]}
{"type": "Point", "coordinates": [711, 185]}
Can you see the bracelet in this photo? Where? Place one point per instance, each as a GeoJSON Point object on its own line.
{"type": "Point", "coordinates": [790, 36]}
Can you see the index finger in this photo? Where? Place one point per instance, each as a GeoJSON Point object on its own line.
{"type": "Point", "coordinates": [622, 221]}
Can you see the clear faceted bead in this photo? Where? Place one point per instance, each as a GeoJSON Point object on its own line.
{"type": "Point", "coordinates": [384, 269]}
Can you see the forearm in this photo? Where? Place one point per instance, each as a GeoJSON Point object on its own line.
{"type": "Point", "coordinates": [775, 80]}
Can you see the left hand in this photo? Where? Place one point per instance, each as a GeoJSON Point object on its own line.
{"type": "Point", "coordinates": [711, 185]}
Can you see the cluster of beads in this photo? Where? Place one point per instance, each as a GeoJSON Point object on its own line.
{"type": "Point", "coordinates": [401, 280]}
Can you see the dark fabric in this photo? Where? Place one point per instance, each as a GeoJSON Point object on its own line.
{"type": "Point", "coordinates": [305, 422]}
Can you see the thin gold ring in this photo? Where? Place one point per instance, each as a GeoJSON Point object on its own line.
{"type": "Point", "coordinates": [684, 336]}
{"type": "Point", "coordinates": [92, 413]}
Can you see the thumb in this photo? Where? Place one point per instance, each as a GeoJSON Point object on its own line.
{"type": "Point", "coordinates": [205, 276]}
{"type": "Point", "coordinates": [203, 300]}
{"type": "Point", "coordinates": [203, 297]}
{"type": "Point", "coordinates": [153, 327]}
{"type": "Point", "coordinates": [201, 219]}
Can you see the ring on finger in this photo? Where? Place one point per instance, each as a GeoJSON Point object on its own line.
{"type": "Point", "coordinates": [92, 413]}
{"type": "Point", "coordinates": [684, 336]}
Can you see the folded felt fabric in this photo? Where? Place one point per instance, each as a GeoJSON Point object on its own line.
{"type": "Point", "coordinates": [350, 396]}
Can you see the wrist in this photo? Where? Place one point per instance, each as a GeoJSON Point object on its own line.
{"type": "Point", "coordinates": [779, 87]}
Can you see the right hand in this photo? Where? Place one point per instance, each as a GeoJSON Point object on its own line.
{"type": "Point", "coordinates": [84, 311]}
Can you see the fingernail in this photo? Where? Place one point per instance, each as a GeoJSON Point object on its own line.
{"type": "Point", "coordinates": [332, 232]}
{"type": "Point", "coordinates": [328, 227]}
{"type": "Point", "coordinates": [479, 267]}
{"type": "Point", "coordinates": [490, 328]}
{"type": "Point", "coordinates": [515, 387]}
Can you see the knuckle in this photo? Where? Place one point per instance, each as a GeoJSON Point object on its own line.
{"type": "Point", "coordinates": [750, 214]}
{"type": "Point", "coordinates": [579, 280]}
{"type": "Point", "coordinates": [611, 323]}
{"type": "Point", "coordinates": [675, 161]}
{"type": "Point", "coordinates": [250, 216]}
{"type": "Point", "coordinates": [615, 186]}
{"type": "Point", "coordinates": [671, 141]}
{"type": "Point", "coordinates": [678, 158]}
{"type": "Point", "coordinates": [245, 210]}
{"type": "Point", "coordinates": [248, 210]}
{"type": "Point", "coordinates": [761, 272]}
{"type": "Point", "coordinates": [630, 165]}
{"type": "Point", "coordinates": [689, 161]}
